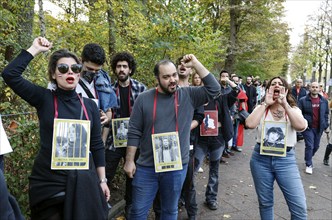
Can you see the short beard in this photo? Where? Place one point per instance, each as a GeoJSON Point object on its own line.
{"type": "Point", "coordinates": [165, 90]}
{"type": "Point", "coordinates": [123, 80]}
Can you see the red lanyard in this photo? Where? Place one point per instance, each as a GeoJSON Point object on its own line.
{"type": "Point", "coordinates": [155, 109]}
{"type": "Point", "coordinates": [129, 93]}
{"type": "Point", "coordinates": [56, 107]}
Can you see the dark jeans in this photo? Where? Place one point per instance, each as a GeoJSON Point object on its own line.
{"type": "Point", "coordinates": [235, 128]}
{"type": "Point", "coordinates": [113, 158]}
{"type": "Point", "coordinates": [188, 190]}
{"type": "Point", "coordinates": [311, 140]}
{"type": "Point", "coordinates": [2, 167]}
{"type": "Point", "coordinates": [214, 146]}
{"type": "Point", "coordinates": [328, 151]}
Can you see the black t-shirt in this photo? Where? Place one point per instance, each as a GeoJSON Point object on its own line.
{"type": "Point", "coordinates": [124, 101]}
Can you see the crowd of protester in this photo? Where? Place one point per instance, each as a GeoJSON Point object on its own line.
{"type": "Point", "coordinates": [206, 117]}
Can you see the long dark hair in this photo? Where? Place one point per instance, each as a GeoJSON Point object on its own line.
{"type": "Point", "coordinates": [290, 99]}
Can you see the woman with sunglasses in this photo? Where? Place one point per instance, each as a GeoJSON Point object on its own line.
{"type": "Point", "coordinates": [61, 193]}
{"type": "Point", "coordinates": [278, 108]}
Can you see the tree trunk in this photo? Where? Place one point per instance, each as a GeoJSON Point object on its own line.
{"type": "Point", "coordinates": [25, 23]}
{"type": "Point", "coordinates": [23, 29]}
{"type": "Point", "coordinates": [231, 49]}
{"type": "Point", "coordinates": [111, 31]}
{"type": "Point", "coordinates": [41, 18]}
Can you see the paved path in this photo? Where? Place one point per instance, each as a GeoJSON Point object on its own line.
{"type": "Point", "coordinates": [237, 198]}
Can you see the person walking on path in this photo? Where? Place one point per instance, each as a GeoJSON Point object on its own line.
{"type": "Point", "coordinates": [278, 107]}
{"type": "Point", "coordinates": [127, 90]}
{"type": "Point", "coordinates": [164, 111]}
{"type": "Point", "coordinates": [299, 91]}
{"type": "Point", "coordinates": [188, 193]}
{"type": "Point", "coordinates": [315, 110]}
{"type": "Point", "coordinates": [251, 94]}
{"type": "Point", "coordinates": [328, 149]}
{"type": "Point", "coordinates": [61, 193]}
{"type": "Point", "coordinates": [214, 145]}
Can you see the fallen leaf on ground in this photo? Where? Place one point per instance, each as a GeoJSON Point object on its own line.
{"type": "Point", "coordinates": [312, 187]}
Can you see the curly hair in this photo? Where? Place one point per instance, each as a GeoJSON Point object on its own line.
{"type": "Point", "coordinates": [124, 56]}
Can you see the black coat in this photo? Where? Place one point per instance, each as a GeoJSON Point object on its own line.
{"type": "Point", "coordinates": [223, 103]}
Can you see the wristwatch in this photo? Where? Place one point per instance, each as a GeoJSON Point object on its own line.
{"type": "Point", "coordinates": [103, 180]}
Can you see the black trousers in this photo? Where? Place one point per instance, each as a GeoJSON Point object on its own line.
{"type": "Point", "coordinates": [113, 158]}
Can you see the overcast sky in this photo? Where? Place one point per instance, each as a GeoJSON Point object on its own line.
{"type": "Point", "coordinates": [297, 12]}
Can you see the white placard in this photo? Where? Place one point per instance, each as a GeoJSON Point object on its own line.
{"type": "Point", "coordinates": [5, 147]}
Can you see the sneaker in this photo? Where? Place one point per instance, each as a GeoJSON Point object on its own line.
{"type": "Point", "coordinates": [308, 169]}
{"type": "Point", "coordinates": [212, 205]}
{"type": "Point", "coordinates": [235, 148]}
{"type": "Point", "coordinates": [200, 170]}
{"type": "Point", "coordinates": [326, 162]}
{"type": "Point", "coordinates": [229, 152]}
{"type": "Point", "coordinates": [225, 154]}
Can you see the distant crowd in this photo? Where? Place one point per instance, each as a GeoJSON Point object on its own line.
{"type": "Point", "coordinates": [162, 134]}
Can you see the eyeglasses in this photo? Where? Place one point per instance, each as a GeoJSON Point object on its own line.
{"type": "Point", "coordinates": [64, 68]}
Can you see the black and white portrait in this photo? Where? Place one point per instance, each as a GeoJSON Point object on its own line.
{"type": "Point", "coordinates": [71, 144]}
{"type": "Point", "coordinates": [274, 137]}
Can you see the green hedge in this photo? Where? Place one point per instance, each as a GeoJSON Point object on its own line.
{"type": "Point", "coordinates": [18, 164]}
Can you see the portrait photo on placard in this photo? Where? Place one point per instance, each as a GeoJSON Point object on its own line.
{"type": "Point", "coordinates": [120, 131]}
{"type": "Point", "coordinates": [167, 153]}
{"type": "Point", "coordinates": [273, 138]}
{"type": "Point", "coordinates": [209, 127]}
{"type": "Point", "coordinates": [71, 140]}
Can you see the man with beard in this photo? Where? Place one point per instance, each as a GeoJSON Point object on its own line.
{"type": "Point", "coordinates": [188, 193]}
{"type": "Point", "coordinates": [162, 110]}
{"type": "Point", "coordinates": [127, 90]}
{"type": "Point", "coordinates": [251, 94]}
{"type": "Point", "coordinates": [315, 110]}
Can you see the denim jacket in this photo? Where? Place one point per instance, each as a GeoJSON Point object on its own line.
{"type": "Point", "coordinates": [106, 95]}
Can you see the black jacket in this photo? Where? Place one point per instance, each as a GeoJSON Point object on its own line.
{"type": "Point", "coordinates": [223, 103]}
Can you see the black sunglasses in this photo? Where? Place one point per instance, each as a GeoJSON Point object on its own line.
{"type": "Point", "coordinates": [64, 68]}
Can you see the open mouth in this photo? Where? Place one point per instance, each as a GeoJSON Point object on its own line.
{"type": "Point", "coordinates": [183, 69]}
{"type": "Point", "coordinates": [172, 86]}
{"type": "Point", "coordinates": [70, 80]}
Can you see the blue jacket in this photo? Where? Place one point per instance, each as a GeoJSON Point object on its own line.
{"type": "Point", "coordinates": [306, 107]}
{"type": "Point", "coordinates": [302, 93]}
{"type": "Point", "coordinates": [106, 95]}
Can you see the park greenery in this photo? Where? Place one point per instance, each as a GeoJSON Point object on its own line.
{"type": "Point", "coordinates": [246, 37]}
